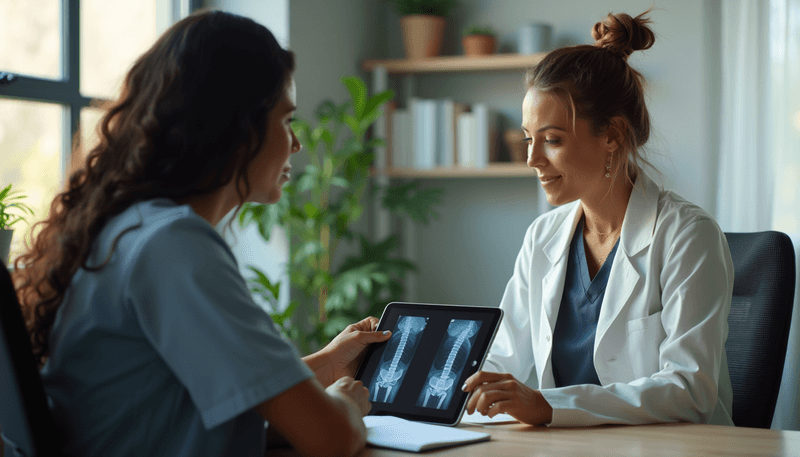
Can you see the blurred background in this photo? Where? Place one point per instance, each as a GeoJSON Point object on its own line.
{"type": "Point", "coordinates": [723, 90]}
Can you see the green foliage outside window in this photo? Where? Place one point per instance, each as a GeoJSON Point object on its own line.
{"type": "Point", "coordinates": [319, 208]}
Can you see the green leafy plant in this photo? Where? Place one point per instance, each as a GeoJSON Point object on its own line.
{"type": "Point", "coordinates": [319, 209]}
{"type": "Point", "coordinates": [478, 30]}
{"type": "Point", "coordinates": [12, 210]}
{"type": "Point", "coordinates": [430, 7]}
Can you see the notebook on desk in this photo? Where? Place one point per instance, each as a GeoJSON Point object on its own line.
{"type": "Point", "coordinates": [415, 377]}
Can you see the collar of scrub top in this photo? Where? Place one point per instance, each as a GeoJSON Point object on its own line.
{"type": "Point", "coordinates": [637, 227]}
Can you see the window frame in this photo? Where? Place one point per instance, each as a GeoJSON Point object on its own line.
{"type": "Point", "coordinates": [66, 90]}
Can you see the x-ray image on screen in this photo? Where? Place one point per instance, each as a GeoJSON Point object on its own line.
{"type": "Point", "coordinates": [398, 354]}
{"type": "Point", "coordinates": [448, 364]}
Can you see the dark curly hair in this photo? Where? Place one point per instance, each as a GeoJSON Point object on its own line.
{"type": "Point", "coordinates": [192, 115]}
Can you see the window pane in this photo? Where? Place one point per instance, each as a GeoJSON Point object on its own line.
{"type": "Point", "coordinates": [114, 33]}
{"type": "Point", "coordinates": [30, 157]}
{"type": "Point", "coordinates": [30, 37]}
{"type": "Point", "coordinates": [90, 118]}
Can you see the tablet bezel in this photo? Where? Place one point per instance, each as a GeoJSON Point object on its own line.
{"type": "Point", "coordinates": [491, 316]}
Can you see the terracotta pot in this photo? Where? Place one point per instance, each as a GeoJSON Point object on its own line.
{"type": "Point", "coordinates": [422, 35]}
{"type": "Point", "coordinates": [517, 148]}
{"type": "Point", "coordinates": [478, 45]}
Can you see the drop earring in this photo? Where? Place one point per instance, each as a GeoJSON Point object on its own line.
{"type": "Point", "coordinates": [608, 167]}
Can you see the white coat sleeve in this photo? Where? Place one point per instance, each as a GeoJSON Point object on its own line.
{"type": "Point", "coordinates": [512, 350]}
{"type": "Point", "coordinates": [696, 284]}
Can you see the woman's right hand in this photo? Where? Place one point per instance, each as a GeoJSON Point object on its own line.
{"type": "Point", "coordinates": [495, 393]}
{"type": "Point", "coordinates": [352, 389]}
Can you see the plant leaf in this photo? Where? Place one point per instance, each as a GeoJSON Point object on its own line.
{"type": "Point", "coordinates": [411, 199]}
{"type": "Point", "coordinates": [326, 111]}
{"type": "Point", "coordinates": [376, 101]}
{"type": "Point", "coordinates": [358, 94]}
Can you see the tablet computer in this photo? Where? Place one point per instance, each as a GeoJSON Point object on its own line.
{"type": "Point", "coordinates": [417, 374]}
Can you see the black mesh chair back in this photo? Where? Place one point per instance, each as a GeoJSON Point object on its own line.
{"type": "Point", "coordinates": [758, 325]}
{"type": "Point", "coordinates": [25, 419]}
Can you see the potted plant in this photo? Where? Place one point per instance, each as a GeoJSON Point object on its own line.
{"type": "Point", "coordinates": [478, 41]}
{"type": "Point", "coordinates": [422, 25]}
{"type": "Point", "coordinates": [12, 210]}
{"type": "Point", "coordinates": [319, 209]}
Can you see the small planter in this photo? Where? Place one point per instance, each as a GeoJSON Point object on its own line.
{"type": "Point", "coordinates": [5, 244]}
{"type": "Point", "coordinates": [479, 45]}
{"type": "Point", "coordinates": [422, 35]}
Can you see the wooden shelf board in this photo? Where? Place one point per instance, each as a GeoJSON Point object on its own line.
{"type": "Point", "coordinates": [492, 170]}
{"type": "Point", "coordinates": [456, 63]}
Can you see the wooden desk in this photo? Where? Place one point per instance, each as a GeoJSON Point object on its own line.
{"type": "Point", "coordinates": [689, 440]}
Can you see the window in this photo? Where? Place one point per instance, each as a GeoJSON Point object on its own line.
{"type": "Point", "coordinates": [68, 55]}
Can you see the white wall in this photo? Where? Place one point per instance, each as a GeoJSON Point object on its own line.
{"type": "Point", "coordinates": [272, 14]}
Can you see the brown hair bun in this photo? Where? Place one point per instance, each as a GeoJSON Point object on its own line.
{"type": "Point", "coordinates": [622, 34]}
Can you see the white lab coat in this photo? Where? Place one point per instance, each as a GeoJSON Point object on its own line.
{"type": "Point", "coordinates": [659, 349]}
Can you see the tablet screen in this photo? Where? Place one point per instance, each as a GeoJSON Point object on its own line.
{"type": "Point", "coordinates": [418, 373]}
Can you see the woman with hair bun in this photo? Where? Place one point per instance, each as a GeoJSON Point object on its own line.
{"type": "Point", "coordinates": [620, 296]}
{"type": "Point", "coordinates": [148, 338]}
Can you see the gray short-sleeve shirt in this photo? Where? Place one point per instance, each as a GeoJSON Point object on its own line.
{"type": "Point", "coordinates": [163, 351]}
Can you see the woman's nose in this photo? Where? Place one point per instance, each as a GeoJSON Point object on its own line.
{"type": "Point", "coordinates": [536, 158]}
{"type": "Point", "coordinates": [296, 146]}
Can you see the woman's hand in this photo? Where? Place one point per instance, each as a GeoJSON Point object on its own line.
{"type": "Point", "coordinates": [352, 389]}
{"type": "Point", "coordinates": [342, 355]}
{"type": "Point", "coordinates": [495, 393]}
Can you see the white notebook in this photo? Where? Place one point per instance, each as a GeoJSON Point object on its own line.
{"type": "Point", "coordinates": [395, 433]}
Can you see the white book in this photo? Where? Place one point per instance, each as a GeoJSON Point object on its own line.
{"type": "Point", "coordinates": [423, 133]}
{"type": "Point", "coordinates": [481, 134]}
{"type": "Point", "coordinates": [395, 433]}
{"type": "Point", "coordinates": [458, 110]}
{"type": "Point", "coordinates": [447, 131]}
{"type": "Point", "coordinates": [416, 108]}
{"type": "Point", "coordinates": [429, 132]}
{"type": "Point", "coordinates": [465, 127]}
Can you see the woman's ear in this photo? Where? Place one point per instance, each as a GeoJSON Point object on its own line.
{"type": "Point", "coordinates": [617, 129]}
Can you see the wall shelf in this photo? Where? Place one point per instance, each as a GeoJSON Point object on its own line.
{"type": "Point", "coordinates": [455, 63]}
{"type": "Point", "coordinates": [493, 170]}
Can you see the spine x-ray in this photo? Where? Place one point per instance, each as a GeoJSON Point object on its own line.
{"type": "Point", "coordinates": [448, 364]}
{"type": "Point", "coordinates": [398, 354]}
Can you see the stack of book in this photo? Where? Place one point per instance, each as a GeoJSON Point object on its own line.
{"type": "Point", "coordinates": [441, 133]}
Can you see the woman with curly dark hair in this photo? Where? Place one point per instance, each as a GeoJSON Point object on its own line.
{"type": "Point", "coordinates": [148, 339]}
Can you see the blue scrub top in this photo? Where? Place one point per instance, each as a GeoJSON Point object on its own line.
{"type": "Point", "coordinates": [163, 351]}
{"type": "Point", "coordinates": [576, 324]}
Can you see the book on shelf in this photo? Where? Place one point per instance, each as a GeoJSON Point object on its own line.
{"type": "Point", "coordinates": [466, 146]}
{"type": "Point", "coordinates": [423, 133]}
{"type": "Point", "coordinates": [432, 133]}
{"type": "Point", "coordinates": [401, 138]}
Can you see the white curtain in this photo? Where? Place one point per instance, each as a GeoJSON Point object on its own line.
{"type": "Point", "coordinates": [759, 169]}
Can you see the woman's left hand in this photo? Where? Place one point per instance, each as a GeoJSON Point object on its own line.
{"type": "Point", "coordinates": [345, 352]}
{"type": "Point", "coordinates": [495, 393]}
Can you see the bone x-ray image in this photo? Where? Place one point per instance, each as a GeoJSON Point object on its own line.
{"type": "Point", "coordinates": [396, 358]}
{"type": "Point", "coordinates": [448, 364]}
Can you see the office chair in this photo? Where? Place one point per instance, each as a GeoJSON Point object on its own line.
{"type": "Point", "coordinates": [758, 325]}
{"type": "Point", "coordinates": [27, 427]}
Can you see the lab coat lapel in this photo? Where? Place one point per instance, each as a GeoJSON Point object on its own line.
{"type": "Point", "coordinates": [636, 235]}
